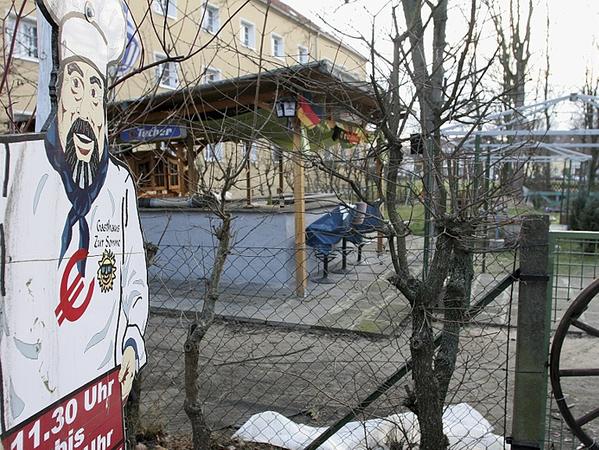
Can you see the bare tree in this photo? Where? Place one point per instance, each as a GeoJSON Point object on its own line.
{"type": "Point", "coordinates": [14, 75]}
{"type": "Point", "coordinates": [590, 119]}
{"type": "Point", "coordinates": [540, 177]}
{"type": "Point", "coordinates": [448, 88]}
{"type": "Point", "coordinates": [513, 36]}
{"type": "Point", "coordinates": [230, 173]}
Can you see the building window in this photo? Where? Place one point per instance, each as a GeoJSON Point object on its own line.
{"type": "Point", "coordinates": [145, 174]}
{"type": "Point", "coordinates": [166, 74]}
{"type": "Point", "coordinates": [302, 53]}
{"type": "Point", "coordinates": [254, 152]}
{"type": "Point", "coordinates": [24, 121]}
{"type": "Point", "coordinates": [248, 34]}
{"type": "Point", "coordinates": [276, 154]}
{"type": "Point", "coordinates": [160, 175]}
{"type": "Point", "coordinates": [211, 22]}
{"type": "Point", "coordinates": [278, 47]}
{"type": "Point", "coordinates": [330, 66]}
{"type": "Point", "coordinates": [210, 75]}
{"type": "Point", "coordinates": [165, 7]}
{"type": "Point", "coordinates": [173, 175]}
{"type": "Point", "coordinates": [253, 149]}
{"type": "Point", "coordinates": [215, 152]}
{"type": "Point", "coordinates": [25, 40]}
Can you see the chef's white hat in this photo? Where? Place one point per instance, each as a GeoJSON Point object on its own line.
{"type": "Point", "coordinates": [93, 29]}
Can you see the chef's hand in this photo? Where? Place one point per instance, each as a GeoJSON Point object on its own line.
{"type": "Point", "coordinates": [127, 372]}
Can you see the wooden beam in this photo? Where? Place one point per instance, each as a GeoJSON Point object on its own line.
{"type": "Point", "coordinates": [248, 174]}
{"type": "Point", "coordinates": [181, 163]}
{"type": "Point", "coordinates": [192, 171]}
{"type": "Point", "coordinates": [299, 201]}
{"type": "Point", "coordinates": [281, 187]}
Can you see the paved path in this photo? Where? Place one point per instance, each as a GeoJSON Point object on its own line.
{"type": "Point", "coordinates": [360, 300]}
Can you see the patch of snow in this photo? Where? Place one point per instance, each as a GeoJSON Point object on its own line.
{"type": "Point", "coordinates": [465, 428]}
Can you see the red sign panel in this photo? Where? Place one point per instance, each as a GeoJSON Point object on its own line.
{"type": "Point", "coordinates": [89, 419]}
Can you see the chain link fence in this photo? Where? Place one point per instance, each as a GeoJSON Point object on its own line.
{"type": "Point", "coordinates": [313, 359]}
{"type": "Point", "coordinates": [573, 265]}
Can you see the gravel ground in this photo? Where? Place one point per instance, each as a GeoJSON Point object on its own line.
{"type": "Point", "coordinates": [313, 377]}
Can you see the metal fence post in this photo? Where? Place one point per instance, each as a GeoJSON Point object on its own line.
{"type": "Point", "coordinates": [532, 345]}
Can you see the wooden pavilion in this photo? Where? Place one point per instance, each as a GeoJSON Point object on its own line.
{"type": "Point", "coordinates": [182, 123]}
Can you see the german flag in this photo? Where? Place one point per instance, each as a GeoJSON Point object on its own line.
{"type": "Point", "coordinates": [307, 112]}
{"type": "Point", "coordinates": [347, 134]}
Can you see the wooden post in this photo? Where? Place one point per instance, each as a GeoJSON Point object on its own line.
{"type": "Point", "coordinates": [181, 159]}
{"type": "Point", "coordinates": [299, 202]}
{"type": "Point", "coordinates": [192, 171]}
{"type": "Point", "coordinates": [532, 341]}
{"type": "Point", "coordinates": [281, 178]}
{"type": "Point", "coordinates": [248, 174]}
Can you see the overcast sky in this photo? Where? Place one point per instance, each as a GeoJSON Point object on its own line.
{"type": "Point", "coordinates": [574, 32]}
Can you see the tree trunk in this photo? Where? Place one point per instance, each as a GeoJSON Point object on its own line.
{"type": "Point", "coordinates": [429, 403]}
{"type": "Point", "coordinates": [594, 165]}
{"type": "Point", "coordinates": [132, 411]}
{"type": "Point", "coordinates": [455, 302]}
{"type": "Point", "coordinates": [201, 433]}
{"type": "Point", "coordinates": [429, 408]}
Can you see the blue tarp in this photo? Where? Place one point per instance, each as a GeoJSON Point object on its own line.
{"type": "Point", "coordinates": [373, 221]}
{"type": "Point", "coordinates": [329, 229]}
{"type": "Point", "coordinates": [326, 231]}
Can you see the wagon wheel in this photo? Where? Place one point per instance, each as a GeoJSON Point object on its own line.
{"type": "Point", "coordinates": [571, 319]}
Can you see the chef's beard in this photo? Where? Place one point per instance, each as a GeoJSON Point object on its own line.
{"type": "Point", "coordinates": [83, 173]}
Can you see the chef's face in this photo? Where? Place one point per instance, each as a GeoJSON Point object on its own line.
{"type": "Point", "coordinates": [81, 117]}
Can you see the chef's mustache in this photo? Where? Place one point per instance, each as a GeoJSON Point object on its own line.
{"type": "Point", "coordinates": [82, 172]}
{"type": "Point", "coordinates": [83, 127]}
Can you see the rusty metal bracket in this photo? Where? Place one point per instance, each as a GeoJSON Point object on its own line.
{"type": "Point", "coordinates": [515, 445]}
{"type": "Point", "coordinates": [533, 277]}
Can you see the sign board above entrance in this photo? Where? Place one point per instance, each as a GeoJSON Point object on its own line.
{"type": "Point", "coordinates": [153, 133]}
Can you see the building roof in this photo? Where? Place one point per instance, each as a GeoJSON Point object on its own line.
{"type": "Point", "coordinates": [340, 92]}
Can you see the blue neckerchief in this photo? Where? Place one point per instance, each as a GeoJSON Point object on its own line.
{"type": "Point", "coordinates": [81, 199]}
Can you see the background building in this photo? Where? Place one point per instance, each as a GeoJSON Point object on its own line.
{"type": "Point", "coordinates": [213, 41]}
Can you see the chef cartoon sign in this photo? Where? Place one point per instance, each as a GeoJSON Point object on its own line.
{"type": "Point", "coordinates": [73, 278]}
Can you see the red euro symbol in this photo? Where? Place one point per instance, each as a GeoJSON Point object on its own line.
{"type": "Point", "coordinates": [69, 292]}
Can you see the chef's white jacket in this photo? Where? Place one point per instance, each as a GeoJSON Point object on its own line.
{"type": "Point", "coordinates": [42, 359]}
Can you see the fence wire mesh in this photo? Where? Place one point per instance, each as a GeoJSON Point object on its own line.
{"type": "Point", "coordinates": [574, 260]}
{"type": "Point", "coordinates": [312, 359]}
{"type": "Point", "coordinates": [574, 264]}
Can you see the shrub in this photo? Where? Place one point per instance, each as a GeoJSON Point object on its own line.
{"type": "Point", "coordinates": [584, 214]}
